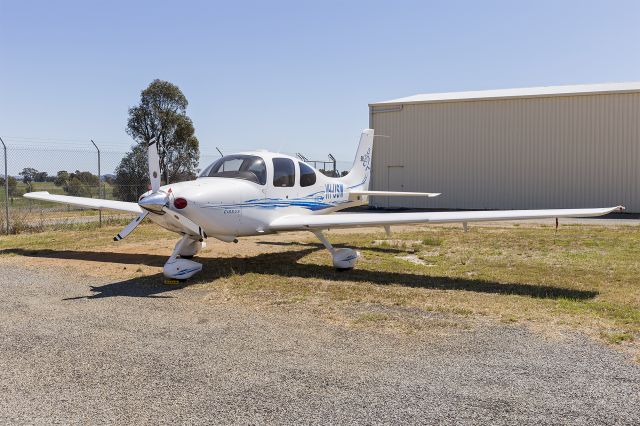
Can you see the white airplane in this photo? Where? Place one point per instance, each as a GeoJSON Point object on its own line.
{"type": "Point", "coordinates": [260, 192]}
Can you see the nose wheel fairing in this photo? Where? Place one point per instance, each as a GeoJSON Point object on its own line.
{"type": "Point", "coordinates": [179, 268]}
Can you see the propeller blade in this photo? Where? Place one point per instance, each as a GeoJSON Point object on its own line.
{"type": "Point", "coordinates": [130, 227]}
{"type": "Point", "coordinates": [154, 165]}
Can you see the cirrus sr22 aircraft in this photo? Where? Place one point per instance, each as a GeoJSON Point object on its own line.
{"type": "Point", "coordinates": [258, 193]}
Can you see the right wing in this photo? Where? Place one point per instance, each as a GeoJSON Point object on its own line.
{"type": "Point", "coordinates": [394, 193]}
{"type": "Point", "coordinates": [90, 203]}
{"type": "Point", "coordinates": [351, 220]}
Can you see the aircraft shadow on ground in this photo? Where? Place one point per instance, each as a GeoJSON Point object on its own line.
{"type": "Point", "coordinates": [321, 246]}
{"type": "Point", "coordinates": [286, 264]}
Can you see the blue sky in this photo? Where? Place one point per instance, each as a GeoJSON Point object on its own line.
{"type": "Point", "coordinates": [291, 76]}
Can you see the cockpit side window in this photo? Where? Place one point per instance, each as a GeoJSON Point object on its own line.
{"type": "Point", "coordinates": [231, 165]}
{"type": "Point", "coordinates": [247, 167]}
{"type": "Point", "coordinates": [307, 175]}
{"type": "Point", "coordinates": [258, 168]}
{"type": "Point", "coordinates": [284, 172]}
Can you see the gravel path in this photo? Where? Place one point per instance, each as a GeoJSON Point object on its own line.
{"type": "Point", "coordinates": [131, 353]}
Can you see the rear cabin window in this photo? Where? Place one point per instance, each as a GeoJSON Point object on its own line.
{"type": "Point", "coordinates": [307, 175]}
{"type": "Point", "coordinates": [284, 172]}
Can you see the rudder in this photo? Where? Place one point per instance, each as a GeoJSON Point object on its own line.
{"type": "Point", "coordinates": [360, 174]}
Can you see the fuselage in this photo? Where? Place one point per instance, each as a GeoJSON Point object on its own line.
{"type": "Point", "coordinates": [241, 194]}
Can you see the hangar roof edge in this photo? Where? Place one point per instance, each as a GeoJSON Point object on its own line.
{"type": "Point", "coordinates": [527, 92]}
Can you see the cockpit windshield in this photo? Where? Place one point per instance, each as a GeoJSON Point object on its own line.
{"type": "Point", "coordinates": [247, 167]}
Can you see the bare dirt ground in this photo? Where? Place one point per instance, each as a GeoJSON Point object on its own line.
{"type": "Point", "coordinates": [90, 334]}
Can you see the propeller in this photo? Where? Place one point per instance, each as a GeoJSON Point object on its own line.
{"type": "Point", "coordinates": [157, 202]}
{"type": "Point", "coordinates": [130, 227]}
{"type": "Point", "coordinates": [154, 176]}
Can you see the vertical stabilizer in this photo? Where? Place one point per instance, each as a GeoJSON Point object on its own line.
{"type": "Point", "coordinates": [360, 174]}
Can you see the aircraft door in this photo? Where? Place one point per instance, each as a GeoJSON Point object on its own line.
{"type": "Point", "coordinates": [395, 182]}
{"type": "Point", "coordinates": [251, 216]}
{"type": "Point", "coordinates": [282, 185]}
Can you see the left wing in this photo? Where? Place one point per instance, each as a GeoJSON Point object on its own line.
{"type": "Point", "coordinates": [349, 220]}
{"type": "Point", "coordinates": [89, 203]}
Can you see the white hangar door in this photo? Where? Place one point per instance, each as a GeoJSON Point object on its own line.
{"type": "Point", "coordinates": [395, 182]}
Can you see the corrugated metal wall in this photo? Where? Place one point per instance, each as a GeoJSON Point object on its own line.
{"type": "Point", "coordinates": [565, 151]}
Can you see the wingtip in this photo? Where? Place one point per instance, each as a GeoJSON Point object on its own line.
{"type": "Point", "coordinates": [31, 194]}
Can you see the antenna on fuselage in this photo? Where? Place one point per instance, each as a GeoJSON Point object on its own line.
{"type": "Point", "coordinates": [221, 154]}
{"type": "Point", "coordinates": [302, 157]}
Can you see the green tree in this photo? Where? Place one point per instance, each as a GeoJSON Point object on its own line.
{"type": "Point", "coordinates": [82, 184]}
{"type": "Point", "coordinates": [13, 185]}
{"type": "Point", "coordinates": [40, 177]}
{"type": "Point", "coordinates": [109, 178]}
{"type": "Point", "coordinates": [77, 188]}
{"type": "Point", "coordinates": [62, 179]}
{"type": "Point", "coordinates": [132, 175]}
{"type": "Point", "coordinates": [162, 114]}
{"type": "Point", "coordinates": [86, 178]}
{"type": "Point", "coordinates": [28, 176]}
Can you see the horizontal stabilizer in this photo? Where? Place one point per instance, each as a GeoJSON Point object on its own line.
{"type": "Point", "coordinates": [350, 220]}
{"type": "Point", "coordinates": [89, 203]}
{"type": "Point", "coordinates": [394, 193]}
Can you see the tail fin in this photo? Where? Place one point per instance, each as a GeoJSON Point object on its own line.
{"type": "Point", "coordinates": [360, 174]}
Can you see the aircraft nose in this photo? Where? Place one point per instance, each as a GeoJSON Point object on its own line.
{"type": "Point", "coordinates": [154, 202]}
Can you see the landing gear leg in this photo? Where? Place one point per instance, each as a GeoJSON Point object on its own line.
{"type": "Point", "coordinates": [344, 259]}
{"type": "Point", "coordinates": [191, 248]}
{"type": "Point", "coordinates": [178, 268]}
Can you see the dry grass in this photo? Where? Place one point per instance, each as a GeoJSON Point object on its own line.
{"type": "Point", "coordinates": [582, 277]}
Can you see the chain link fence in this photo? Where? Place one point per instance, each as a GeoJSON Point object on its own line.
{"type": "Point", "coordinates": [83, 170]}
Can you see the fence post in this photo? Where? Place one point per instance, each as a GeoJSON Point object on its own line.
{"type": "Point", "coordinates": [6, 186]}
{"type": "Point", "coordinates": [99, 183]}
{"type": "Point", "coordinates": [333, 160]}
